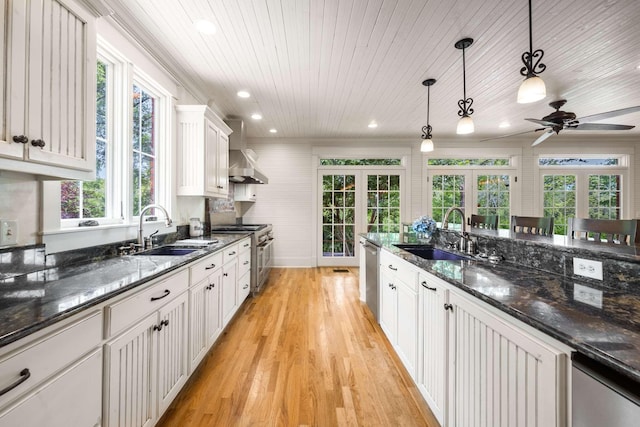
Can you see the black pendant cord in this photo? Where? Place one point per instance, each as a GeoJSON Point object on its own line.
{"type": "Point", "coordinates": [464, 103]}
{"type": "Point", "coordinates": [426, 130]}
{"type": "Point", "coordinates": [530, 68]}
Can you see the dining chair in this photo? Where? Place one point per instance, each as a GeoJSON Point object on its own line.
{"type": "Point", "coordinates": [489, 222]}
{"type": "Point", "coordinates": [541, 225]}
{"type": "Point", "coordinates": [617, 231]}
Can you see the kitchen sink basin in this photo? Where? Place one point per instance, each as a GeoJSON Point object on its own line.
{"type": "Point", "coordinates": [429, 252]}
{"type": "Point", "coordinates": [168, 251]}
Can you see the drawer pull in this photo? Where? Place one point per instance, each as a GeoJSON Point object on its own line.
{"type": "Point", "coordinates": [424, 285]}
{"type": "Point", "coordinates": [245, 263]}
{"type": "Point", "coordinates": [161, 325]}
{"type": "Point", "coordinates": [20, 139]}
{"type": "Point", "coordinates": [448, 307]}
{"type": "Point", "coordinates": [211, 286]}
{"type": "Point", "coordinates": [225, 274]}
{"type": "Point", "coordinates": [38, 143]}
{"type": "Point", "coordinates": [245, 286]}
{"type": "Point", "coordinates": [246, 245]}
{"type": "Point", "coordinates": [166, 294]}
{"type": "Point", "coordinates": [392, 267]}
{"type": "Point", "coordinates": [232, 253]}
{"type": "Point", "coordinates": [210, 267]}
{"type": "Point", "coordinates": [24, 375]}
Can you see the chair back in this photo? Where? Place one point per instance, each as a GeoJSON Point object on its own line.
{"type": "Point", "coordinates": [489, 222]}
{"type": "Point", "coordinates": [541, 225]}
{"type": "Point", "coordinates": [616, 231]}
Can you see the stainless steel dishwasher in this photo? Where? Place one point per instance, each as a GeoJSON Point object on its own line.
{"type": "Point", "coordinates": [372, 253]}
{"type": "Point", "coordinates": [602, 397]}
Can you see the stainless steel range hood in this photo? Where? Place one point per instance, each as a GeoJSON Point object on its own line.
{"type": "Point", "coordinates": [243, 167]}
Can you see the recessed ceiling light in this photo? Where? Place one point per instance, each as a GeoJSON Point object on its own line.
{"type": "Point", "coordinates": [504, 125]}
{"type": "Point", "coordinates": [205, 27]}
{"type": "Point", "coordinates": [273, 130]}
{"type": "Point", "coordinates": [256, 116]}
{"type": "Point", "coordinates": [373, 124]}
{"type": "Point", "coordinates": [243, 94]}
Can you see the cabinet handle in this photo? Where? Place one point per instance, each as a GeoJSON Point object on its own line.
{"type": "Point", "coordinates": [232, 253]}
{"type": "Point", "coordinates": [245, 263]}
{"type": "Point", "coordinates": [220, 186]}
{"type": "Point", "coordinates": [21, 139]}
{"type": "Point", "coordinates": [424, 285]}
{"type": "Point", "coordinates": [245, 286]}
{"type": "Point", "coordinates": [210, 267]}
{"type": "Point", "coordinates": [448, 306]}
{"type": "Point", "coordinates": [38, 143]}
{"type": "Point", "coordinates": [391, 285]}
{"type": "Point", "coordinates": [211, 286]}
{"type": "Point", "coordinates": [225, 274]}
{"type": "Point", "coordinates": [24, 375]}
{"type": "Point", "coordinates": [246, 245]}
{"type": "Point", "coordinates": [391, 267]}
{"type": "Point", "coordinates": [166, 294]}
{"type": "Point", "coordinates": [164, 322]}
{"type": "Point", "coordinates": [157, 327]}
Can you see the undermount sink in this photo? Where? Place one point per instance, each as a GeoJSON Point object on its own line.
{"type": "Point", "coordinates": [429, 252]}
{"type": "Point", "coordinates": [168, 251]}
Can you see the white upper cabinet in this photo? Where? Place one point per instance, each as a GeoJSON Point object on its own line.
{"type": "Point", "coordinates": [47, 99]}
{"type": "Point", "coordinates": [203, 152]}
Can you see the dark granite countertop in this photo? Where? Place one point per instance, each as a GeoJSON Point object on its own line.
{"type": "Point", "coordinates": [33, 301]}
{"type": "Point", "coordinates": [610, 334]}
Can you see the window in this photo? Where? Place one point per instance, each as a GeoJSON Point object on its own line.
{"type": "Point", "coordinates": [132, 148]}
{"type": "Point", "coordinates": [360, 162]}
{"type": "Point", "coordinates": [590, 187]}
{"type": "Point", "coordinates": [79, 199]}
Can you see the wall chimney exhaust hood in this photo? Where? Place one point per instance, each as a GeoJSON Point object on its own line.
{"type": "Point", "coordinates": [243, 162]}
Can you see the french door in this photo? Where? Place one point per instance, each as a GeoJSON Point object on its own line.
{"type": "Point", "coordinates": [353, 201]}
{"type": "Point", "coordinates": [479, 191]}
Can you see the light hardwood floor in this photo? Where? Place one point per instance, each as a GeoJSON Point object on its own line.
{"type": "Point", "coordinates": [305, 352]}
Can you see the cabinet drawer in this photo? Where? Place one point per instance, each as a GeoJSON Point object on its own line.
{"type": "Point", "coordinates": [230, 252]}
{"type": "Point", "coordinates": [43, 358]}
{"type": "Point", "coordinates": [126, 312]}
{"type": "Point", "coordinates": [203, 268]}
{"type": "Point", "coordinates": [245, 245]}
{"type": "Point", "coordinates": [397, 267]}
{"type": "Point", "coordinates": [244, 262]}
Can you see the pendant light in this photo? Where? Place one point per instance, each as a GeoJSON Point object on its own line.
{"type": "Point", "coordinates": [465, 124]}
{"type": "Point", "coordinates": [532, 88]}
{"type": "Point", "coordinates": [427, 143]}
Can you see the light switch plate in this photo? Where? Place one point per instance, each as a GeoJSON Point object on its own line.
{"type": "Point", "coordinates": [587, 268]}
{"type": "Point", "coordinates": [8, 232]}
{"type": "Point", "coordinates": [587, 295]}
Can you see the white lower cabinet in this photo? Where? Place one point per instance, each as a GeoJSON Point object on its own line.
{"type": "Point", "coordinates": [432, 340]}
{"type": "Point", "coordinates": [473, 364]}
{"type": "Point", "coordinates": [229, 291]}
{"type": "Point", "coordinates": [500, 375]}
{"type": "Point", "coordinates": [205, 322]}
{"type": "Point", "coordinates": [146, 366]}
{"type": "Point", "coordinates": [55, 380]}
{"type": "Point", "coordinates": [399, 308]}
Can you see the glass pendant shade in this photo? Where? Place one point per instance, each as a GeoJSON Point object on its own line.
{"type": "Point", "coordinates": [532, 89]}
{"type": "Point", "coordinates": [426, 146]}
{"type": "Point", "coordinates": [465, 126]}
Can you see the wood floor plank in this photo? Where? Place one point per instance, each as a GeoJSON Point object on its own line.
{"type": "Point", "coordinates": [305, 352]}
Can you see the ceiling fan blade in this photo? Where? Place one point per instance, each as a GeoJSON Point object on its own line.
{"type": "Point", "coordinates": [541, 122]}
{"type": "Point", "coordinates": [600, 126]}
{"type": "Point", "coordinates": [609, 114]}
{"type": "Point", "coordinates": [511, 134]}
{"type": "Point", "coordinates": [542, 137]}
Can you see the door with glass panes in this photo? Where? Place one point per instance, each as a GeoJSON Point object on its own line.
{"type": "Point", "coordinates": [354, 201]}
{"type": "Point", "coordinates": [481, 192]}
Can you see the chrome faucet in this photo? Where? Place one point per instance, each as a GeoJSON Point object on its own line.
{"type": "Point", "coordinates": [167, 221]}
{"type": "Point", "coordinates": [464, 236]}
{"type": "Point", "coordinates": [445, 221]}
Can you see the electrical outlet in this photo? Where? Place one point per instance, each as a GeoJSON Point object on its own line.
{"type": "Point", "coordinates": [8, 232]}
{"type": "Point", "coordinates": [587, 295]}
{"type": "Point", "coordinates": [587, 268]}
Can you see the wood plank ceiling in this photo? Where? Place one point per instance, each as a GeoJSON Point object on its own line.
{"type": "Point", "coordinates": [326, 68]}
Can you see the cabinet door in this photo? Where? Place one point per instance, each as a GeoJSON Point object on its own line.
{"type": "Point", "coordinates": [388, 304]}
{"type": "Point", "coordinates": [244, 284]}
{"type": "Point", "coordinates": [432, 332]}
{"type": "Point", "coordinates": [128, 376]}
{"type": "Point", "coordinates": [500, 376]}
{"type": "Point", "coordinates": [172, 351]}
{"type": "Point", "coordinates": [229, 290]}
{"type": "Point", "coordinates": [223, 164]}
{"type": "Point", "coordinates": [212, 301]}
{"type": "Point", "coordinates": [407, 329]}
{"type": "Point", "coordinates": [70, 399]}
{"type": "Point", "coordinates": [198, 318]}
{"type": "Point", "coordinates": [211, 154]}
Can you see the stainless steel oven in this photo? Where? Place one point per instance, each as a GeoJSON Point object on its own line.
{"type": "Point", "coordinates": [261, 249]}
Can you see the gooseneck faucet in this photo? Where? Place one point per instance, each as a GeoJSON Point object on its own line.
{"type": "Point", "coordinates": [445, 221]}
{"type": "Point", "coordinates": [167, 221]}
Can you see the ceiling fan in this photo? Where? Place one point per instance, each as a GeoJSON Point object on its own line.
{"type": "Point", "coordinates": [561, 120]}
